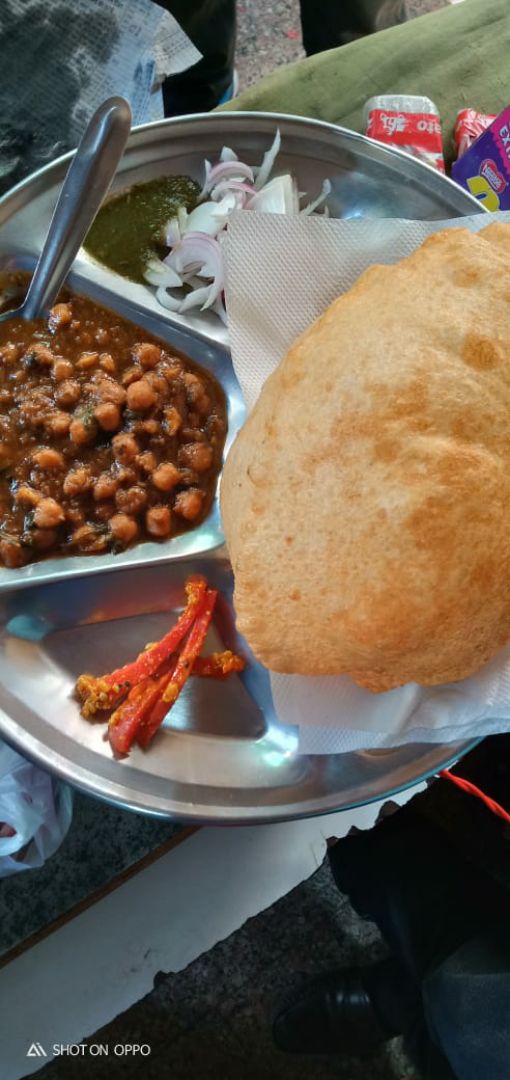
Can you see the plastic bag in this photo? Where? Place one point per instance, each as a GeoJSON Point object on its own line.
{"type": "Point", "coordinates": [36, 811]}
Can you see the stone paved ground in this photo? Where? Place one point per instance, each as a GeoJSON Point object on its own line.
{"type": "Point", "coordinates": [269, 34]}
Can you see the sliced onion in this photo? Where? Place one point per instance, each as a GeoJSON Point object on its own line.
{"type": "Point", "coordinates": [167, 300]}
{"type": "Point", "coordinates": [228, 155]}
{"type": "Point", "coordinates": [325, 191]}
{"type": "Point", "coordinates": [197, 255]}
{"type": "Point", "coordinates": [219, 309]}
{"type": "Point", "coordinates": [159, 273]}
{"type": "Point", "coordinates": [264, 171]}
{"type": "Point", "coordinates": [226, 170]}
{"type": "Point", "coordinates": [174, 228]}
{"type": "Point", "coordinates": [208, 217]}
{"type": "Point", "coordinates": [279, 196]}
{"type": "Point", "coordinates": [172, 232]}
{"type": "Point", "coordinates": [237, 188]}
{"type": "Point", "coordinates": [208, 168]}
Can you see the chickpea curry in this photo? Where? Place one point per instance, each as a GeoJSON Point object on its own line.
{"type": "Point", "coordinates": [106, 437]}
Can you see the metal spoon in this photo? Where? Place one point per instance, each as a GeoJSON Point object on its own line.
{"type": "Point", "coordinates": [87, 181]}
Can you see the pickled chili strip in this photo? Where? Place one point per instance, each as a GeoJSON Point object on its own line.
{"type": "Point", "coordinates": [218, 665]}
{"type": "Point", "coordinates": [148, 662]}
{"type": "Point", "coordinates": [181, 672]}
{"type": "Point", "coordinates": [125, 721]}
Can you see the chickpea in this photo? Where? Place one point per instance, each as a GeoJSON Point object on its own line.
{"type": "Point", "coordinates": [140, 396]}
{"type": "Point", "coordinates": [124, 474]}
{"type": "Point", "coordinates": [147, 461]}
{"type": "Point", "coordinates": [82, 432]}
{"type": "Point", "coordinates": [58, 424]}
{"type": "Point", "coordinates": [188, 504]}
{"type": "Point", "coordinates": [123, 528]}
{"type": "Point", "coordinates": [75, 515]}
{"type": "Point", "coordinates": [196, 393]}
{"type": "Point", "coordinates": [108, 390]}
{"type": "Point", "coordinates": [191, 434]}
{"type": "Point", "coordinates": [131, 375]}
{"type": "Point", "coordinates": [173, 419]}
{"type": "Point", "coordinates": [108, 416]}
{"type": "Point", "coordinates": [150, 427]}
{"type": "Point", "coordinates": [87, 361]}
{"type": "Point", "coordinates": [146, 354]}
{"type": "Point", "coordinates": [12, 555]}
{"type": "Point", "coordinates": [203, 405]}
{"type": "Point", "coordinates": [48, 514]}
{"type": "Point", "coordinates": [189, 478]}
{"type": "Point", "coordinates": [68, 393]}
{"type": "Point", "coordinates": [60, 315]}
{"type": "Point", "coordinates": [89, 539]}
{"type": "Point", "coordinates": [125, 448]}
{"type": "Point", "coordinates": [101, 336]}
{"type": "Point", "coordinates": [39, 354]}
{"type": "Point", "coordinates": [9, 353]}
{"type": "Point", "coordinates": [105, 487]}
{"type": "Point", "coordinates": [157, 382]}
{"type": "Point", "coordinates": [77, 481]}
{"type": "Point", "coordinates": [5, 397]}
{"type": "Point", "coordinates": [42, 539]}
{"type": "Point", "coordinates": [27, 496]}
{"type": "Point", "coordinates": [158, 521]}
{"type": "Point", "coordinates": [107, 363]}
{"type": "Point", "coordinates": [171, 371]}
{"type": "Point", "coordinates": [49, 459]}
{"type": "Point", "coordinates": [166, 476]}
{"type": "Point", "coordinates": [197, 456]}
{"type": "Point", "coordinates": [62, 369]}
{"type": "Point", "coordinates": [131, 500]}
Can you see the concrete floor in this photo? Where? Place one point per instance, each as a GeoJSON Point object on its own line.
{"type": "Point", "coordinates": [269, 34]}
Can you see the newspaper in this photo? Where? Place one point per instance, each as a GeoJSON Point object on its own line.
{"type": "Point", "coordinates": [62, 58]}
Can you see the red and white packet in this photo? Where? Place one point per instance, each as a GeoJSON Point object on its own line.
{"type": "Point", "coordinates": [469, 125]}
{"type": "Point", "coordinates": [409, 122]}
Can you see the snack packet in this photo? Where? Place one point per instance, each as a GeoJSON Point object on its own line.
{"type": "Point", "coordinates": [484, 169]}
{"type": "Point", "coordinates": [468, 126]}
{"type": "Point", "coordinates": [411, 123]}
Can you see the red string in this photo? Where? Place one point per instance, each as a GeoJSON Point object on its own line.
{"type": "Point", "coordinates": [472, 789]}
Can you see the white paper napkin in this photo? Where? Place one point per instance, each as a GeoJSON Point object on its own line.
{"type": "Point", "coordinates": [281, 274]}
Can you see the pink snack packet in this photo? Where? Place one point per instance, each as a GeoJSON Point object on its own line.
{"type": "Point", "coordinates": [484, 169]}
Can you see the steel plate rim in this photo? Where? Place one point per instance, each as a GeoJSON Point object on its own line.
{"type": "Point", "coordinates": [387, 151]}
{"type": "Point", "coordinates": [116, 794]}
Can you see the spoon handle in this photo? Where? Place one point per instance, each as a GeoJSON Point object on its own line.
{"type": "Point", "coordinates": [87, 181]}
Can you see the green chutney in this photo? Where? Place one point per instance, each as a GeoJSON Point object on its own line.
{"type": "Point", "coordinates": [127, 231]}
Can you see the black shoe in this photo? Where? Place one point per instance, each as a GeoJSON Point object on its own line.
{"type": "Point", "coordinates": [330, 1015]}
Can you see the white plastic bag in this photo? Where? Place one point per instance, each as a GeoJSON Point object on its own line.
{"type": "Point", "coordinates": [35, 813]}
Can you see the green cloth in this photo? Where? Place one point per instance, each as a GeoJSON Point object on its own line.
{"type": "Point", "coordinates": [457, 56]}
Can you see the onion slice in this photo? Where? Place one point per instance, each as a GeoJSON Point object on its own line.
{"type": "Point", "coordinates": [325, 191]}
{"type": "Point", "coordinates": [279, 196]}
{"type": "Point", "coordinates": [264, 170]}
{"type": "Point", "coordinates": [159, 273]}
{"type": "Point", "coordinates": [226, 170]}
{"type": "Point", "coordinates": [228, 155]}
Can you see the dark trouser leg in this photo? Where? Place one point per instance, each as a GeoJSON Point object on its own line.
{"type": "Point", "coordinates": [211, 26]}
{"type": "Point", "coordinates": [428, 904]}
{"type": "Point", "coordinates": [467, 1005]}
{"type": "Point", "coordinates": [335, 22]}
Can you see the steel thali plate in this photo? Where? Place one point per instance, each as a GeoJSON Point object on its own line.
{"type": "Point", "coordinates": [222, 755]}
